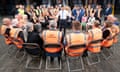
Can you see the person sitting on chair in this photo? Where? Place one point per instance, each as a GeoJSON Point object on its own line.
{"type": "Point", "coordinates": [107, 34]}
{"type": "Point", "coordinates": [32, 36]}
{"type": "Point", "coordinates": [5, 30]}
{"type": "Point", "coordinates": [52, 41]}
{"type": "Point", "coordinates": [16, 33]}
{"type": "Point", "coordinates": [75, 41]}
{"type": "Point", "coordinates": [95, 38]}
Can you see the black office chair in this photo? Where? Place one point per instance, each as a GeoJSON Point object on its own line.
{"type": "Point", "coordinates": [57, 63]}
{"type": "Point", "coordinates": [34, 52]}
{"type": "Point", "coordinates": [76, 60]}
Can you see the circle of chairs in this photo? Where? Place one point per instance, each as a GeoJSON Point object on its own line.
{"type": "Point", "coordinates": [73, 63]}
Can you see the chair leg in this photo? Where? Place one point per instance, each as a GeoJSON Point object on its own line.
{"type": "Point", "coordinates": [93, 58]}
{"type": "Point", "coordinates": [20, 58]}
{"type": "Point", "coordinates": [63, 55]}
{"type": "Point", "coordinates": [107, 53]}
{"type": "Point", "coordinates": [11, 50]}
{"type": "Point", "coordinates": [74, 64]}
{"type": "Point", "coordinates": [29, 60]}
{"type": "Point", "coordinates": [113, 48]}
{"type": "Point", "coordinates": [53, 65]}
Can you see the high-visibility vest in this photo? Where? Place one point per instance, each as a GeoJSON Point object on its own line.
{"type": "Point", "coordinates": [94, 44]}
{"type": "Point", "coordinates": [109, 40]}
{"type": "Point", "coordinates": [14, 32]}
{"type": "Point", "coordinates": [37, 12]}
{"type": "Point", "coordinates": [115, 31]}
{"type": "Point", "coordinates": [76, 44]}
{"type": "Point", "coordinates": [3, 29]}
{"type": "Point", "coordinates": [52, 40]}
{"type": "Point", "coordinates": [21, 11]}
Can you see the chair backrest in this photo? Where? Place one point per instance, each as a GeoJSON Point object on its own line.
{"type": "Point", "coordinates": [77, 46]}
{"type": "Point", "coordinates": [52, 46]}
{"type": "Point", "coordinates": [31, 45]}
{"type": "Point", "coordinates": [96, 41]}
{"type": "Point", "coordinates": [76, 50]}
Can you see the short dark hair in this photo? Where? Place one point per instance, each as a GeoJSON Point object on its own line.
{"type": "Point", "coordinates": [96, 23]}
{"type": "Point", "coordinates": [52, 24]}
{"type": "Point", "coordinates": [76, 25]}
{"type": "Point", "coordinates": [108, 23]}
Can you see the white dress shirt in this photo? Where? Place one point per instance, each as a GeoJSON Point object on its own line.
{"type": "Point", "coordinates": [63, 14]}
{"type": "Point", "coordinates": [91, 20]}
{"type": "Point", "coordinates": [107, 9]}
{"type": "Point", "coordinates": [14, 22]}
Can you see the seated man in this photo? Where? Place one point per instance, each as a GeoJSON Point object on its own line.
{"type": "Point", "coordinates": [76, 41]}
{"type": "Point", "coordinates": [16, 34]}
{"type": "Point", "coordinates": [33, 37]}
{"type": "Point", "coordinates": [95, 38]}
{"type": "Point", "coordinates": [52, 41]}
{"type": "Point", "coordinates": [5, 30]}
{"type": "Point", "coordinates": [107, 35]}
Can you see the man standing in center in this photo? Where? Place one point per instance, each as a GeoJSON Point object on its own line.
{"type": "Point", "coordinates": [63, 15]}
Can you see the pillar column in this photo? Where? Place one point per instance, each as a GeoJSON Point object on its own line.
{"type": "Point", "coordinates": [63, 2]}
{"type": "Point", "coordinates": [95, 2]}
{"type": "Point", "coordinates": [86, 2]}
{"type": "Point", "coordinates": [28, 2]}
{"type": "Point", "coordinates": [90, 1]}
{"type": "Point", "coordinates": [113, 6]}
{"type": "Point", "coordinates": [49, 2]}
{"type": "Point", "coordinates": [66, 2]}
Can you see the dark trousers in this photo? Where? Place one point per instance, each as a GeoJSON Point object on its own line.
{"type": "Point", "coordinates": [53, 55]}
{"type": "Point", "coordinates": [85, 54]}
{"type": "Point", "coordinates": [58, 57]}
{"type": "Point", "coordinates": [62, 25]}
{"type": "Point", "coordinates": [105, 18]}
{"type": "Point", "coordinates": [52, 59]}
